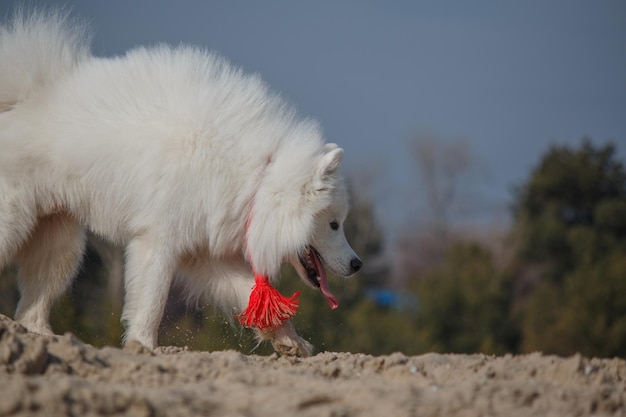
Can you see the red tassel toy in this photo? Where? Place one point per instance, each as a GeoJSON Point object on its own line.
{"type": "Point", "coordinates": [267, 307]}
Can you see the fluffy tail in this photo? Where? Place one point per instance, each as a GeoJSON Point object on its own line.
{"type": "Point", "coordinates": [36, 49]}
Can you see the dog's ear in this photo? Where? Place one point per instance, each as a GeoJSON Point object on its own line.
{"type": "Point", "coordinates": [331, 160]}
{"type": "Point", "coordinates": [328, 164]}
{"type": "Point", "coordinates": [329, 147]}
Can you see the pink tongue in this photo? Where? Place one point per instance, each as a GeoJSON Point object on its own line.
{"type": "Point", "coordinates": [330, 298]}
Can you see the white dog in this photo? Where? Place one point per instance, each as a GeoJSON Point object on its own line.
{"type": "Point", "coordinates": [195, 167]}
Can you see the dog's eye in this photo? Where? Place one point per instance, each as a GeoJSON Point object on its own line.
{"type": "Point", "coordinates": [334, 225]}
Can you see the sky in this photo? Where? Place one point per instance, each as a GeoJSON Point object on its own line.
{"type": "Point", "coordinates": [507, 78]}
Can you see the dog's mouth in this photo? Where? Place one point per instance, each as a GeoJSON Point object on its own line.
{"type": "Point", "coordinates": [316, 275]}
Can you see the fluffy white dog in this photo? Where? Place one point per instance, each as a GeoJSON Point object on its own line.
{"type": "Point", "coordinates": [194, 166]}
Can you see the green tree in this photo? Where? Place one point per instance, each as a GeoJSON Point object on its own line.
{"type": "Point", "coordinates": [571, 221]}
{"type": "Point", "coordinates": [464, 305]}
{"type": "Point", "coordinates": [574, 204]}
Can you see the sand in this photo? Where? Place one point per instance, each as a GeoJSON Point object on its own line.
{"type": "Point", "coordinates": [50, 376]}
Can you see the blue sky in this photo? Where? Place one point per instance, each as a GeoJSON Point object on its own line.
{"type": "Point", "coordinates": [508, 78]}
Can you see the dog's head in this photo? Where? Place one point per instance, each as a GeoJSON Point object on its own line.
{"type": "Point", "coordinates": [328, 244]}
{"type": "Point", "coordinates": [302, 221]}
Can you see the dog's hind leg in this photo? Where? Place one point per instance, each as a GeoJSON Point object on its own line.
{"type": "Point", "coordinates": [150, 266]}
{"type": "Point", "coordinates": [47, 263]}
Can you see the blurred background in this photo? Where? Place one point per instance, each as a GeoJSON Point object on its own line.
{"type": "Point", "coordinates": [485, 147]}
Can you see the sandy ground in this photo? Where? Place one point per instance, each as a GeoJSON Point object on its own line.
{"type": "Point", "coordinates": [49, 376]}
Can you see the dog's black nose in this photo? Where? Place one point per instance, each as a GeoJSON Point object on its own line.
{"type": "Point", "coordinates": [356, 264]}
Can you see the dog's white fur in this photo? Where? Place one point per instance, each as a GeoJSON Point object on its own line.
{"type": "Point", "coordinates": [167, 151]}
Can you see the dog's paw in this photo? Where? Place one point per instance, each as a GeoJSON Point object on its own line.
{"type": "Point", "coordinates": [286, 341]}
{"type": "Point", "coordinates": [292, 346]}
{"type": "Point", "coordinates": [133, 346]}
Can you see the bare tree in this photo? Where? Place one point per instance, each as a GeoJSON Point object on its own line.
{"type": "Point", "coordinates": [444, 190]}
{"type": "Point", "coordinates": [444, 168]}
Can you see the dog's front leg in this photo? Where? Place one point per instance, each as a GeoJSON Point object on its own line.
{"type": "Point", "coordinates": [149, 274]}
{"type": "Point", "coordinates": [286, 341]}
